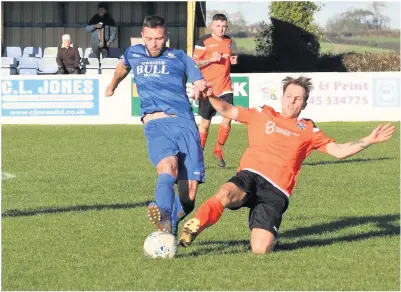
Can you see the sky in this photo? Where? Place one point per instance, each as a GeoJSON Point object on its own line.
{"type": "Point", "coordinates": [255, 11]}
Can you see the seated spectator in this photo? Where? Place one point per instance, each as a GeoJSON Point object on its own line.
{"type": "Point", "coordinates": [67, 57]}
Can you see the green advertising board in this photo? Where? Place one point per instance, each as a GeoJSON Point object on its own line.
{"type": "Point", "coordinates": [240, 89]}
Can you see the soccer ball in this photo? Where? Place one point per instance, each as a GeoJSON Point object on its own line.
{"type": "Point", "coordinates": [160, 245]}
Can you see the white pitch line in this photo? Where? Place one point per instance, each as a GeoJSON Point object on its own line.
{"type": "Point", "coordinates": [7, 176]}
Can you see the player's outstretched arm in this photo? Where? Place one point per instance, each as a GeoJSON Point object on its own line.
{"type": "Point", "coordinates": [379, 135]}
{"type": "Point", "coordinates": [119, 74]}
{"type": "Point", "coordinates": [224, 108]}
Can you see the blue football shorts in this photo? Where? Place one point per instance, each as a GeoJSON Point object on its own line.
{"type": "Point", "coordinates": [172, 136]}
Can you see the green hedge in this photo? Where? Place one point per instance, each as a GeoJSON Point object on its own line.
{"type": "Point", "coordinates": [347, 62]}
{"type": "Point", "coordinates": [372, 62]}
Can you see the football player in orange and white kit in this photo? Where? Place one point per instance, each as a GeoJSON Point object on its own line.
{"type": "Point", "coordinates": [269, 168]}
{"type": "Point", "coordinates": [212, 55]}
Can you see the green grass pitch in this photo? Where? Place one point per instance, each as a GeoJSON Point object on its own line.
{"type": "Point", "coordinates": [73, 217]}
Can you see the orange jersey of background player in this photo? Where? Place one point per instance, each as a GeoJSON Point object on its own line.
{"type": "Point", "coordinates": [217, 73]}
{"type": "Point", "coordinates": [277, 146]}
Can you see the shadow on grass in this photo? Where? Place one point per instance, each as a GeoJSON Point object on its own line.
{"type": "Point", "coordinates": [355, 160]}
{"type": "Point", "coordinates": [387, 224]}
{"type": "Point", "coordinates": [78, 208]}
{"type": "Point", "coordinates": [218, 167]}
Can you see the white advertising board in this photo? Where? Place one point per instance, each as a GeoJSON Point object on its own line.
{"type": "Point", "coordinates": [373, 96]}
{"type": "Point", "coordinates": [79, 99]}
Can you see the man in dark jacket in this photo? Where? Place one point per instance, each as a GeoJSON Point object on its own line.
{"type": "Point", "coordinates": [103, 30]}
{"type": "Point", "coordinates": [67, 57]}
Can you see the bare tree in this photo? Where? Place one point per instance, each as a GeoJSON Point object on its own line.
{"type": "Point", "coordinates": [380, 20]}
{"type": "Point", "coordinates": [359, 20]}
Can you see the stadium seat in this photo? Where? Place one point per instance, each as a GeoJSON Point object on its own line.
{"type": "Point", "coordinates": [90, 66]}
{"type": "Point", "coordinates": [114, 53]}
{"type": "Point", "coordinates": [81, 57]}
{"type": "Point", "coordinates": [35, 52]}
{"type": "Point", "coordinates": [47, 66]}
{"type": "Point", "coordinates": [8, 66]}
{"type": "Point", "coordinates": [89, 53]}
{"type": "Point", "coordinates": [80, 51]}
{"type": "Point", "coordinates": [50, 52]}
{"type": "Point", "coordinates": [15, 52]}
{"type": "Point", "coordinates": [28, 66]}
{"type": "Point", "coordinates": [108, 65]}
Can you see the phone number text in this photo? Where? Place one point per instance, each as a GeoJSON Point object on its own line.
{"type": "Point", "coordinates": [338, 100]}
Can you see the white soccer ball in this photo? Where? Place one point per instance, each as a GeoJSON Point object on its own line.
{"type": "Point", "coordinates": [160, 245]}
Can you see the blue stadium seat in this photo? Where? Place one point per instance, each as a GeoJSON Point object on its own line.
{"type": "Point", "coordinates": [89, 53]}
{"type": "Point", "coordinates": [35, 52]}
{"type": "Point", "coordinates": [90, 66]}
{"type": "Point", "coordinates": [15, 52]}
{"type": "Point", "coordinates": [8, 66]}
{"type": "Point", "coordinates": [113, 53]}
{"type": "Point", "coordinates": [28, 66]}
{"type": "Point", "coordinates": [47, 66]}
{"type": "Point", "coordinates": [50, 52]}
{"type": "Point", "coordinates": [108, 65]}
{"type": "Point", "coordinates": [80, 51]}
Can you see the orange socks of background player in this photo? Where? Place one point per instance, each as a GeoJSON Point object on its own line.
{"type": "Point", "coordinates": [203, 138]}
{"type": "Point", "coordinates": [222, 136]}
{"type": "Point", "coordinates": [209, 213]}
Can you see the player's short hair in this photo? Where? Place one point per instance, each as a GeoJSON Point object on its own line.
{"type": "Point", "coordinates": [219, 16]}
{"type": "Point", "coordinates": [153, 21]}
{"type": "Point", "coordinates": [304, 82]}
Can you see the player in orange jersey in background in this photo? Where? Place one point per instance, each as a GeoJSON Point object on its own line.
{"type": "Point", "coordinates": [213, 56]}
{"type": "Point", "coordinates": [267, 174]}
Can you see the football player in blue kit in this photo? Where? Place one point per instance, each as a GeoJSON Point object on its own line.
{"type": "Point", "coordinates": [173, 140]}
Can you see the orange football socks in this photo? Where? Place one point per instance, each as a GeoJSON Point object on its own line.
{"type": "Point", "coordinates": [209, 213]}
{"type": "Point", "coordinates": [203, 138]}
{"type": "Point", "coordinates": [222, 135]}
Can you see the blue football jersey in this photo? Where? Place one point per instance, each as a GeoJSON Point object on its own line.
{"type": "Point", "coordinates": [161, 81]}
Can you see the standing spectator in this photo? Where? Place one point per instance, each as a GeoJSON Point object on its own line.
{"type": "Point", "coordinates": [103, 30]}
{"type": "Point", "coordinates": [67, 57]}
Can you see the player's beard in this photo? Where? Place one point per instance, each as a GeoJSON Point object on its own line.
{"type": "Point", "coordinates": [156, 54]}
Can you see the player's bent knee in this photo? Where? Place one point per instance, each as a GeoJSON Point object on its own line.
{"type": "Point", "coordinates": [168, 166]}
{"type": "Point", "coordinates": [261, 248]}
{"type": "Point", "coordinates": [229, 195]}
{"type": "Point", "coordinates": [262, 241]}
{"type": "Point", "coordinates": [223, 194]}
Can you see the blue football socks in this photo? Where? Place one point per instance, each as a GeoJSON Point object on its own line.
{"type": "Point", "coordinates": [177, 215]}
{"type": "Point", "coordinates": [164, 193]}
